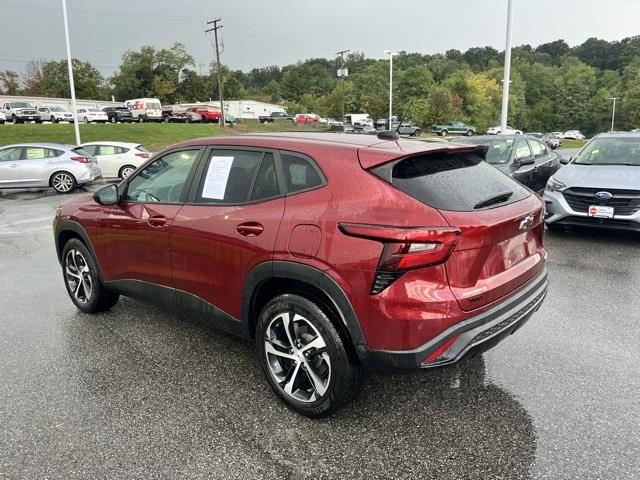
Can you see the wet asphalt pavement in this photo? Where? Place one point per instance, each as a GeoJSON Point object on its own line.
{"type": "Point", "coordinates": [139, 392]}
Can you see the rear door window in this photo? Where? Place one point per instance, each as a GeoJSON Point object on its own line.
{"type": "Point", "coordinates": [229, 176]}
{"type": "Point", "coordinates": [452, 181]}
{"type": "Point", "coordinates": [537, 148]}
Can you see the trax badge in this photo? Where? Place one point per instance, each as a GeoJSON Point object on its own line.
{"type": "Point", "coordinates": [603, 195]}
{"type": "Point", "coordinates": [526, 223]}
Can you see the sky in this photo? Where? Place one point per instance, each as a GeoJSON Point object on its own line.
{"type": "Point", "coordinates": [258, 33]}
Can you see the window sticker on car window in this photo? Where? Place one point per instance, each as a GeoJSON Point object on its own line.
{"type": "Point", "coordinates": [215, 182]}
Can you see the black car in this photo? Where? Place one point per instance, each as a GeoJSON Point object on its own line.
{"type": "Point", "coordinates": [523, 157]}
{"type": "Point", "coordinates": [118, 114]}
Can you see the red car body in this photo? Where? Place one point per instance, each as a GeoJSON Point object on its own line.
{"type": "Point", "coordinates": [413, 285]}
{"type": "Point", "coordinates": [207, 113]}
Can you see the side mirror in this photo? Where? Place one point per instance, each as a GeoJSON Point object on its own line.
{"type": "Point", "coordinates": [526, 161]}
{"type": "Point", "coordinates": [107, 195]}
{"type": "Point", "coordinates": [565, 161]}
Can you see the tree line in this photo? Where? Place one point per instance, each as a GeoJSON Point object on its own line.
{"type": "Point", "coordinates": [553, 86]}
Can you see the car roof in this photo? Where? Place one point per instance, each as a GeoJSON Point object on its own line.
{"type": "Point", "coordinates": [40, 145]}
{"type": "Point", "coordinates": [619, 135]}
{"type": "Point", "coordinates": [108, 142]}
{"type": "Point", "coordinates": [371, 150]}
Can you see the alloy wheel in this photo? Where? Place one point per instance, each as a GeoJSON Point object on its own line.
{"type": "Point", "coordinates": [126, 171]}
{"type": "Point", "coordinates": [62, 182]}
{"type": "Point", "coordinates": [297, 357]}
{"type": "Point", "coordinates": [78, 276]}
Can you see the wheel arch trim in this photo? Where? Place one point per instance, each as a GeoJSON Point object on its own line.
{"type": "Point", "coordinates": [78, 230]}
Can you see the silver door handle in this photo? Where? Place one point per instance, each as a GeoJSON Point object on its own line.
{"type": "Point", "coordinates": [14, 165]}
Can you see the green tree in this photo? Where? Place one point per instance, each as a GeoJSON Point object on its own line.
{"type": "Point", "coordinates": [9, 82]}
{"type": "Point", "coordinates": [87, 80]}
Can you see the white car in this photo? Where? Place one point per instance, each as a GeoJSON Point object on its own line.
{"type": "Point", "coordinates": [88, 115]}
{"type": "Point", "coordinates": [508, 131]}
{"type": "Point", "coordinates": [117, 159]}
{"type": "Point", "coordinates": [3, 118]}
{"type": "Point", "coordinates": [55, 115]}
{"type": "Point", "coordinates": [574, 135]}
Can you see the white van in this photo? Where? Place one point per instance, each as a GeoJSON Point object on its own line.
{"type": "Point", "coordinates": [358, 118]}
{"type": "Point", "coordinates": [145, 109]}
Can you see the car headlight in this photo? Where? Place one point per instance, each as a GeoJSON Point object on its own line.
{"type": "Point", "coordinates": [554, 185]}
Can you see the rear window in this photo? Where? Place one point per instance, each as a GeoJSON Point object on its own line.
{"type": "Point", "coordinates": [457, 182]}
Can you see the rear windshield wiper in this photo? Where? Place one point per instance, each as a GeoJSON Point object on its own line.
{"type": "Point", "coordinates": [499, 198]}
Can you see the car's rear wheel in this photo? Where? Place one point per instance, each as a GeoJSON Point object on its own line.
{"type": "Point", "coordinates": [417, 132]}
{"type": "Point", "coordinates": [305, 359]}
{"type": "Point", "coordinates": [126, 171]}
{"type": "Point", "coordinates": [114, 119]}
{"type": "Point", "coordinates": [443, 133]}
{"type": "Point", "coordinates": [469, 133]}
{"type": "Point", "coordinates": [140, 119]}
{"type": "Point", "coordinates": [63, 182]}
{"type": "Point", "coordinates": [82, 280]}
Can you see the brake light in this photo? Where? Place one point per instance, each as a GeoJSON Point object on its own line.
{"type": "Point", "coordinates": [81, 159]}
{"type": "Point", "coordinates": [405, 248]}
{"type": "Point", "coordinates": [142, 155]}
{"type": "Point", "coordinates": [436, 354]}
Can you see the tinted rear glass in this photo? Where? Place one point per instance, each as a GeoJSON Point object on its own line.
{"type": "Point", "coordinates": [458, 182]}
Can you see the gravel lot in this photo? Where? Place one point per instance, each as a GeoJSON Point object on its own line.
{"type": "Point", "coordinates": [139, 392]}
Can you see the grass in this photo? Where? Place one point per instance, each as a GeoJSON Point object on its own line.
{"type": "Point", "coordinates": [572, 143]}
{"type": "Point", "coordinates": [154, 136]}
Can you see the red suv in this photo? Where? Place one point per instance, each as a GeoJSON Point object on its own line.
{"type": "Point", "coordinates": [337, 254]}
{"type": "Point", "coordinates": [208, 114]}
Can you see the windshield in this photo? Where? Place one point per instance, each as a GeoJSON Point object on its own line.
{"type": "Point", "coordinates": [56, 109]}
{"type": "Point", "coordinates": [499, 149]}
{"type": "Point", "coordinates": [610, 151]}
{"type": "Point", "coordinates": [93, 110]}
{"type": "Point", "coordinates": [21, 105]}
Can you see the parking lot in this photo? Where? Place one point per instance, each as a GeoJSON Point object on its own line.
{"type": "Point", "coordinates": [139, 392]}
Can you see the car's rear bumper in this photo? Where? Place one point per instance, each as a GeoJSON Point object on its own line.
{"type": "Point", "coordinates": [468, 337]}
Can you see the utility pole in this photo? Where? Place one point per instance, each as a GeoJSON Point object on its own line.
{"type": "Point", "coordinates": [507, 70]}
{"type": "Point", "coordinates": [215, 29]}
{"type": "Point", "coordinates": [76, 127]}
{"type": "Point", "coordinates": [391, 54]}
{"type": "Point", "coordinates": [613, 114]}
{"type": "Point", "coordinates": [342, 73]}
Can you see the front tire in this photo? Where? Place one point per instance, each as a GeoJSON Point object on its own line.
{"type": "Point", "coordinates": [469, 133]}
{"type": "Point", "coordinates": [140, 119]}
{"type": "Point", "coordinates": [63, 182]}
{"type": "Point", "coordinates": [114, 119]}
{"type": "Point", "coordinates": [443, 133]}
{"type": "Point", "coordinates": [82, 281]}
{"type": "Point", "coordinates": [126, 171]}
{"type": "Point", "coordinates": [306, 361]}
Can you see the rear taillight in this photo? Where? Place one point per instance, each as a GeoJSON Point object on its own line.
{"type": "Point", "coordinates": [405, 248]}
{"type": "Point", "coordinates": [81, 159]}
{"type": "Point", "coordinates": [142, 155]}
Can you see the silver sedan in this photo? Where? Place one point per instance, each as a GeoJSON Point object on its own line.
{"type": "Point", "coordinates": [62, 167]}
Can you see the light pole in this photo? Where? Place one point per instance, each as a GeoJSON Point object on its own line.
{"type": "Point", "coordinates": [342, 72]}
{"type": "Point", "coordinates": [613, 113]}
{"type": "Point", "coordinates": [507, 70]}
{"type": "Point", "coordinates": [72, 86]}
{"type": "Point", "coordinates": [391, 54]}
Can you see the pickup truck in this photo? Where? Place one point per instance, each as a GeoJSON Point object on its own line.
{"type": "Point", "coordinates": [20, 112]}
{"type": "Point", "coordinates": [457, 128]}
{"type": "Point", "coordinates": [208, 114]}
{"type": "Point", "coordinates": [276, 117]}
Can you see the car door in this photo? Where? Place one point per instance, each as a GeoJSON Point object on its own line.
{"type": "Point", "coordinates": [109, 160]}
{"type": "Point", "coordinates": [547, 162]}
{"type": "Point", "coordinates": [133, 243]}
{"type": "Point", "coordinates": [230, 225]}
{"type": "Point", "coordinates": [10, 166]}
{"type": "Point", "coordinates": [523, 173]}
{"type": "Point", "coordinates": [35, 165]}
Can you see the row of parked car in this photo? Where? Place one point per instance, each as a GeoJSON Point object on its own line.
{"type": "Point", "coordinates": [65, 167]}
{"type": "Point", "coordinates": [137, 110]}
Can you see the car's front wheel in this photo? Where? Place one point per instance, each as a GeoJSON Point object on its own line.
{"type": "Point", "coordinates": [308, 364]}
{"type": "Point", "coordinates": [82, 280]}
{"type": "Point", "coordinates": [63, 182]}
{"type": "Point", "coordinates": [469, 133]}
{"type": "Point", "coordinates": [443, 133]}
{"type": "Point", "coordinates": [126, 171]}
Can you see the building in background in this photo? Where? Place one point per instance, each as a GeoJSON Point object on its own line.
{"type": "Point", "coordinates": [58, 102]}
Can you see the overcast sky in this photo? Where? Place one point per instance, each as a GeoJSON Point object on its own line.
{"type": "Point", "coordinates": [278, 32]}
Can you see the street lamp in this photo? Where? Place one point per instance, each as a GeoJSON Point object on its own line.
{"type": "Point", "coordinates": [391, 54]}
{"type": "Point", "coordinates": [76, 127]}
{"type": "Point", "coordinates": [613, 113]}
{"type": "Point", "coordinates": [507, 70]}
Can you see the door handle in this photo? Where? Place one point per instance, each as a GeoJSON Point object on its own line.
{"type": "Point", "coordinates": [14, 165]}
{"type": "Point", "coordinates": [157, 221]}
{"type": "Point", "coordinates": [250, 229]}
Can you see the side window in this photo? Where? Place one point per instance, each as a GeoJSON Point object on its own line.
{"type": "Point", "coordinates": [10, 154]}
{"type": "Point", "coordinates": [522, 150]}
{"type": "Point", "coordinates": [537, 148]}
{"type": "Point", "coordinates": [266, 184]}
{"type": "Point", "coordinates": [163, 180]}
{"type": "Point", "coordinates": [299, 173]}
{"type": "Point", "coordinates": [120, 150]}
{"type": "Point", "coordinates": [91, 149]}
{"type": "Point", "coordinates": [229, 176]}
{"type": "Point", "coordinates": [107, 150]}
{"type": "Point", "coordinates": [35, 153]}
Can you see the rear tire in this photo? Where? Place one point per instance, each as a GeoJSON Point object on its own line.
{"type": "Point", "coordinates": [114, 119]}
{"type": "Point", "coordinates": [140, 119]}
{"type": "Point", "coordinates": [469, 133]}
{"type": "Point", "coordinates": [416, 133]}
{"type": "Point", "coordinates": [63, 182]}
{"type": "Point", "coordinates": [311, 368]}
{"type": "Point", "coordinates": [80, 273]}
{"type": "Point", "coordinates": [443, 133]}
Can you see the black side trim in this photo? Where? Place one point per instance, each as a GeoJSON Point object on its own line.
{"type": "Point", "coordinates": [304, 273]}
{"type": "Point", "coordinates": [178, 301]}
